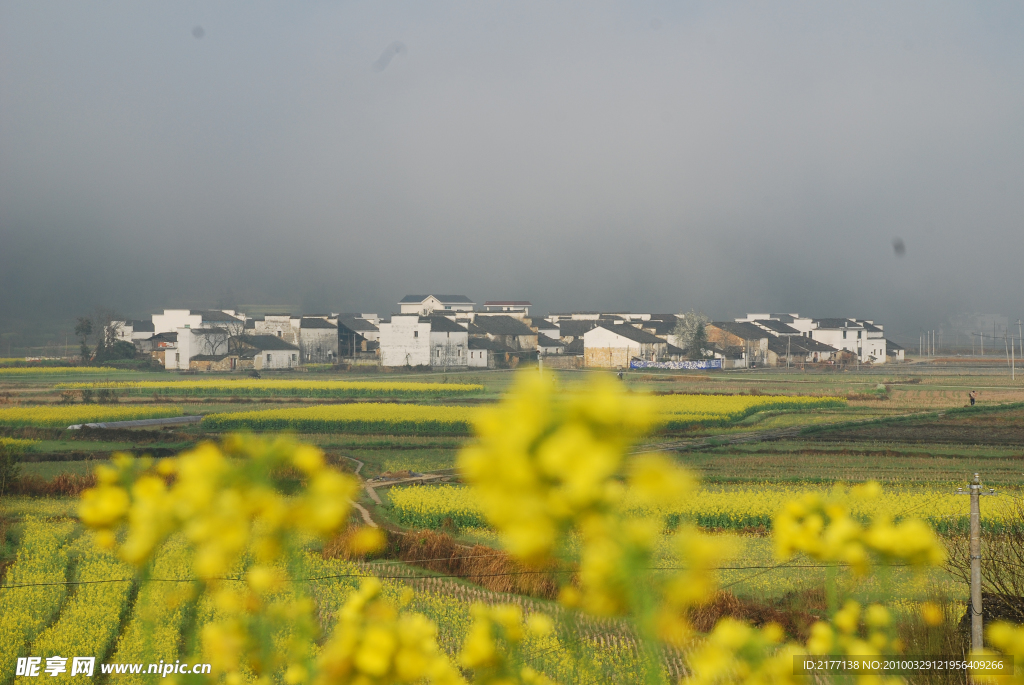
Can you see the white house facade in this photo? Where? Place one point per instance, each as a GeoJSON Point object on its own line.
{"type": "Point", "coordinates": [404, 341]}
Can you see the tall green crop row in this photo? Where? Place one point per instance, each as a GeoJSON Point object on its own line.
{"type": "Point", "coordinates": [154, 630]}
{"type": "Point", "coordinates": [42, 558]}
{"type": "Point", "coordinates": [91, 620]}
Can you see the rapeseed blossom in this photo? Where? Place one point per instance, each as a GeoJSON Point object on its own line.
{"type": "Point", "coordinates": [65, 415]}
{"type": "Point", "coordinates": [374, 643]}
{"type": "Point", "coordinates": [824, 530]}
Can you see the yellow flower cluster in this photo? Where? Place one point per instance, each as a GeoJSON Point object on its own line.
{"type": "Point", "coordinates": [1006, 639]}
{"type": "Point", "coordinates": [857, 632]}
{"type": "Point", "coordinates": [549, 471]}
{"type": "Point", "coordinates": [493, 641]}
{"type": "Point", "coordinates": [63, 416]}
{"type": "Point", "coordinates": [227, 504]}
{"type": "Point", "coordinates": [56, 370]}
{"type": "Point", "coordinates": [542, 463]}
{"type": "Point", "coordinates": [825, 531]}
{"type": "Point", "coordinates": [365, 417]}
{"type": "Point", "coordinates": [374, 643]}
{"type": "Point", "coordinates": [738, 653]}
{"type": "Point", "coordinates": [275, 387]}
{"type": "Point", "coordinates": [216, 498]}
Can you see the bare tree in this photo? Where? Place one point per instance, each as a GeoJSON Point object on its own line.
{"type": "Point", "coordinates": [691, 332]}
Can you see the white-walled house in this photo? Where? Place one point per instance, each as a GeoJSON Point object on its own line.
{"type": "Point", "coordinates": [845, 334]}
{"type": "Point", "coordinates": [611, 346]}
{"type": "Point", "coordinates": [449, 343]}
{"type": "Point", "coordinates": [173, 319]}
{"type": "Point", "coordinates": [283, 326]}
{"type": "Point", "coordinates": [405, 341]}
{"type": "Point", "coordinates": [424, 305]}
{"type": "Point", "coordinates": [269, 352]}
{"type": "Point", "coordinates": [131, 330]}
{"type": "Point", "coordinates": [318, 341]}
{"type": "Point", "coordinates": [194, 342]}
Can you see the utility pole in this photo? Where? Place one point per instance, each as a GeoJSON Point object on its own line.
{"type": "Point", "coordinates": [1020, 338]}
{"type": "Point", "coordinates": [789, 341]}
{"type": "Point", "coordinates": [975, 492]}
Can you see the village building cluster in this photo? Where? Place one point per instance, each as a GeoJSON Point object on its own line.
{"type": "Point", "coordinates": [450, 331]}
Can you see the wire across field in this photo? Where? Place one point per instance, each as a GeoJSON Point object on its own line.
{"type": "Point", "coordinates": [282, 387]}
{"type": "Point", "coordinates": [62, 416]}
{"type": "Point", "coordinates": [369, 417]}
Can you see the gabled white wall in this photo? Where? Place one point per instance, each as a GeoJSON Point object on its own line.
{"type": "Point", "coordinates": [404, 341]}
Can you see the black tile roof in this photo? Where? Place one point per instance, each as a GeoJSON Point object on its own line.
{"type": "Point", "coordinates": [632, 333]}
{"type": "Point", "coordinates": [266, 342]}
{"type": "Point", "coordinates": [207, 357]}
{"type": "Point", "coordinates": [890, 346]}
{"type": "Point", "coordinates": [776, 326]}
{"type": "Point", "coordinates": [446, 299]}
{"type": "Point", "coordinates": [164, 337]}
{"type": "Point", "coordinates": [545, 341]}
{"type": "Point", "coordinates": [355, 324]}
{"type": "Point", "coordinates": [741, 329]}
{"type": "Point", "coordinates": [142, 326]}
{"type": "Point", "coordinates": [315, 323]}
{"type": "Point", "coordinates": [575, 347]}
{"type": "Point", "coordinates": [215, 315]}
{"type": "Point", "coordinates": [575, 327]}
{"type": "Point", "coordinates": [502, 325]}
{"type": "Point", "coordinates": [659, 327]}
{"type": "Point", "coordinates": [487, 344]}
{"type": "Point", "coordinates": [442, 324]}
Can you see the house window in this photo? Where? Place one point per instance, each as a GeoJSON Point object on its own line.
{"type": "Point", "coordinates": [858, 335]}
{"type": "Point", "coordinates": [177, 356]}
{"type": "Point", "coordinates": [279, 334]}
{"type": "Point", "coordinates": [415, 334]}
{"type": "Point", "coordinates": [293, 357]}
{"type": "Point", "coordinates": [844, 335]}
{"type": "Point", "coordinates": [447, 306]}
{"type": "Point", "coordinates": [268, 358]}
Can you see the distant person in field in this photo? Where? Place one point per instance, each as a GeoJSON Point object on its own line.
{"type": "Point", "coordinates": [973, 396]}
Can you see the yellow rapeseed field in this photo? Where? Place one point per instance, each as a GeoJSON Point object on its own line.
{"type": "Point", "coordinates": [252, 387]}
{"type": "Point", "coordinates": [730, 508]}
{"type": "Point", "coordinates": [365, 417]}
{"type": "Point", "coordinates": [679, 410]}
{"type": "Point", "coordinates": [66, 415]}
{"type": "Point", "coordinates": [16, 444]}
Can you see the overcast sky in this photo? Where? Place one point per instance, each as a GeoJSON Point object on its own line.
{"type": "Point", "coordinates": [658, 156]}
